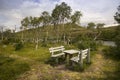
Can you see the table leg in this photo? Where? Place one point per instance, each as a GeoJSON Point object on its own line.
{"type": "Point", "coordinates": [70, 63]}
{"type": "Point", "coordinates": [66, 58]}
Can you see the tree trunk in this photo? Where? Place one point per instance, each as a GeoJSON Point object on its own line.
{"type": "Point", "coordinates": [37, 41]}
{"type": "Point", "coordinates": [2, 34]}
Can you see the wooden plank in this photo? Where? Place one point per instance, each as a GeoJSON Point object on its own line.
{"type": "Point", "coordinates": [56, 50]}
{"type": "Point", "coordinates": [57, 55]}
{"type": "Point", "coordinates": [75, 59]}
{"type": "Point", "coordinates": [84, 53]}
{"type": "Point", "coordinates": [84, 56]}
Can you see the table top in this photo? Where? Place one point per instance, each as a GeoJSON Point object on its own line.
{"type": "Point", "coordinates": [72, 51]}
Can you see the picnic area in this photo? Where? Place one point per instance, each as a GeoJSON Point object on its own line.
{"type": "Point", "coordinates": [56, 46]}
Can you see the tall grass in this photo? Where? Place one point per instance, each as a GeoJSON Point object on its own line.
{"type": "Point", "coordinates": [11, 68]}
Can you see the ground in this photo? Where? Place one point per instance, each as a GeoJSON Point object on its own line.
{"type": "Point", "coordinates": [102, 68]}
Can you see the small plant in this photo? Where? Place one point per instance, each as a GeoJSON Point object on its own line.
{"type": "Point", "coordinates": [44, 44]}
{"type": "Point", "coordinates": [18, 46]}
{"type": "Point", "coordinates": [6, 41]}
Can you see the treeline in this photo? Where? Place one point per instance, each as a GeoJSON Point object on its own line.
{"type": "Point", "coordinates": [60, 16]}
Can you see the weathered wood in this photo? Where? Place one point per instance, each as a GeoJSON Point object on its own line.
{"type": "Point", "coordinates": [57, 55]}
{"type": "Point", "coordinates": [81, 59]}
{"type": "Point", "coordinates": [83, 54]}
{"type": "Point", "coordinates": [70, 54]}
{"type": "Point", "coordinates": [57, 49]}
{"type": "Point", "coordinates": [53, 50]}
{"type": "Point", "coordinates": [88, 56]}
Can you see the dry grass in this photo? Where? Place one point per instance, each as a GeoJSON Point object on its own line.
{"type": "Point", "coordinates": [100, 69]}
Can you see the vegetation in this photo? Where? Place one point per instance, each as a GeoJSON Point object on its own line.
{"type": "Point", "coordinates": [91, 25]}
{"type": "Point", "coordinates": [24, 55]}
{"type": "Point", "coordinates": [108, 34]}
{"type": "Point", "coordinates": [117, 38]}
{"type": "Point", "coordinates": [10, 68]}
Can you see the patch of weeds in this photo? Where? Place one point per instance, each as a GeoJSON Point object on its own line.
{"type": "Point", "coordinates": [6, 42]}
{"type": "Point", "coordinates": [5, 60]}
{"type": "Point", "coordinates": [44, 45]}
{"type": "Point", "coordinates": [52, 75]}
{"type": "Point", "coordinates": [77, 67]}
{"type": "Point", "coordinates": [111, 52]}
{"type": "Point", "coordinates": [10, 68]}
{"type": "Point", "coordinates": [18, 46]}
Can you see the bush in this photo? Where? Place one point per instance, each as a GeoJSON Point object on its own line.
{"type": "Point", "coordinates": [83, 42]}
{"type": "Point", "coordinates": [18, 46]}
{"type": "Point", "coordinates": [6, 41]}
{"type": "Point", "coordinates": [112, 52]}
{"type": "Point", "coordinates": [44, 44]}
{"type": "Point", "coordinates": [87, 44]}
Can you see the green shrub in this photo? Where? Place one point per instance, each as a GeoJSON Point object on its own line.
{"type": "Point", "coordinates": [87, 44]}
{"type": "Point", "coordinates": [6, 41]}
{"type": "Point", "coordinates": [85, 41]}
{"type": "Point", "coordinates": [112, 52]}
{"type": "Point", "coordinates": [44, 44]}
{"type": "Point", "coordinates": [18, 46]}
{"type": "Point", "coordinates": [83, 45]}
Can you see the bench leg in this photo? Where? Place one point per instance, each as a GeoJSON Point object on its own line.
{"type": "Point", "coordinates": [70, 62]}
{"type": "Point", "coordinates": [88, 56]}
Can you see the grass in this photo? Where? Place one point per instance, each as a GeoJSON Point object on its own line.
{"type": "Point", "coordinates": [10, 68]}
{"type": "Point", "coordinates": [28, 64]}
{"type": "Point", "coordinates": [28, 51]}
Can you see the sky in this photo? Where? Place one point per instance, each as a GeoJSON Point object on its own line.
{"type": "Point", "coordinates": [98, 11]}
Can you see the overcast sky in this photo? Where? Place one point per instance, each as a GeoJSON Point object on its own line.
{"type": "Point", "coordinates": [98, 11]}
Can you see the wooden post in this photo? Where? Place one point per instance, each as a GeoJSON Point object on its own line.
{"type": "Point", "coordinates": [80, 59]}
{"type": "Point", "coordinates": [88, 56]}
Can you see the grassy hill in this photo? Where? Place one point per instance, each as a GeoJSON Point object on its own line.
{"type": "Point", "coordinates": [53, 32]}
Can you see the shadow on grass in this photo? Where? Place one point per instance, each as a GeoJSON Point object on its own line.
{"type": "Point", "coordinates": [77, 68]}
{"type": "Point", "coordinates": [52, 61]}
{"type": "Point", "coordinates": [10, 68]}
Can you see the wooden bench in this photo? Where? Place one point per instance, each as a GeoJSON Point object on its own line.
{"type": "Point", "coordinates": [83, 54]}
{"type": "Point", "coordinates": [57, 52]}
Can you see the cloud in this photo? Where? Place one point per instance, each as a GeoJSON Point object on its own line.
{"type": "Point", "coordinates": [11, 15]}
{"type": "Point", "coordinates": [95, 10]}
{"type": "Point", "coordinates": [13, 11]}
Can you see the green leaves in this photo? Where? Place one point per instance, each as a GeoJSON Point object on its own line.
{"type": "Point", "coordinates": [46, 18]}
{"type": "Point", "coordinates": [61, 12]}
{"type": "Point", "coordinates": [25, 22]}
{"type": "Point", "coordinates": [91, 25]}
{"type": "Point", "coordinates": [75, 18]}
{"type": "Point", "coordinates": [117, 15]}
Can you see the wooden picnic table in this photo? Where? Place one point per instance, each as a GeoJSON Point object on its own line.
{"type": "Point", "coordinates": [69, 54]}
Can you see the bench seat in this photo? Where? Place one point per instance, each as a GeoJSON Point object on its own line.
{"type": "Point", "coordinates": [76, 59]}
{"type": "Point", "coordinates": [81, 56]}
